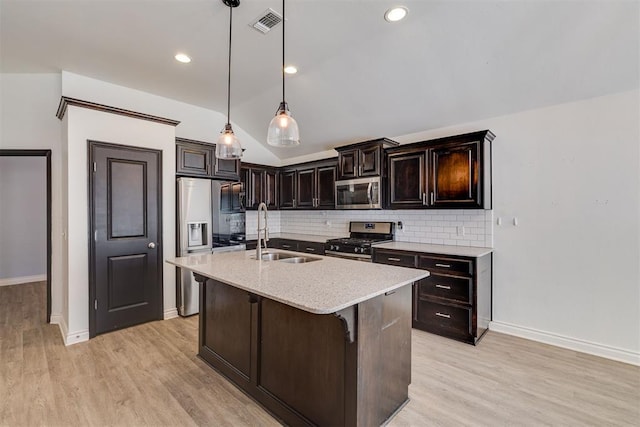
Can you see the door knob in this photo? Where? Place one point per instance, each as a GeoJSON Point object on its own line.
{"type": "Point", "coordinates": [151, 245]}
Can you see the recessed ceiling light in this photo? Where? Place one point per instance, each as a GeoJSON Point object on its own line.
{"type": "Point", "coordinates": [181, 57]}
{"type": "Point", "coordinates": [290, 69]}
{"type": "Point", "coordinates": [396, 14]}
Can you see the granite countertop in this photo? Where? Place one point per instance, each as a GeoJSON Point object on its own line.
{"type": "Point", "coordinates": [294, 236]}
{"type": "Point", "coordinates": [436, 249]}
{"type": "Point", "coordinates": [320, 287]}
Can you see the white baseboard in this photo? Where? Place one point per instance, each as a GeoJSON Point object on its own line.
{"type": "Point", "coordinates": [24, 279]}
{"type": "Point", "coordinates": [69, 338]}
{"type": "Point", "coordinates": [170, 313]}
{"type": "Point", "coordinates": [582, 346]}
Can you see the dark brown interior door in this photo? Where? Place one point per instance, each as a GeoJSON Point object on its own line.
{"type": "Point", "coordinates": [126, 256]}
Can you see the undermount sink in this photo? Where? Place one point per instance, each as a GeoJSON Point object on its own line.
{"type": "Point", "coordinates": [275, 256]}
{"type": "Point", "coordinates": [290, 258]}
{"type": "Point", "coordinates": [300, 259]}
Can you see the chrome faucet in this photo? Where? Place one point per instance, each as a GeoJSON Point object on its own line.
{"type": "Point", "coordinates": [262, 207]}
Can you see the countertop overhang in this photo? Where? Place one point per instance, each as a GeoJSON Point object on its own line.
{"type": "Point", "coordinates": [321, 287]}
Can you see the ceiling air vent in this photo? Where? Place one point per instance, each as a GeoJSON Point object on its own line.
{"type": "Point", "coordinates": [266, 21]}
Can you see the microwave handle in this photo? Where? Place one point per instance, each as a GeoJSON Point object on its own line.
{"type": "Point", "coordinates": [369, 193]}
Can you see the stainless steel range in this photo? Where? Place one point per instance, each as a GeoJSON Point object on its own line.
{"type": "Point", "coordinates": [361, 236]}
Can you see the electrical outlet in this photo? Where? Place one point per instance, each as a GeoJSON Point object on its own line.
{"type": "Point", "coordinates": [460, 230]}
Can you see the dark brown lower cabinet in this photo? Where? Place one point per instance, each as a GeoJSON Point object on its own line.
{"type": "Point", "coordinates": [350, 368]}
{"type": "Point", "coordinates": [455, 300]}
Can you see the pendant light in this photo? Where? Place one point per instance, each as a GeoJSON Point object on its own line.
{"type": "Point", "coordinates": [228, 146]}
{"type": "Point", "coordinates": [283, 129]}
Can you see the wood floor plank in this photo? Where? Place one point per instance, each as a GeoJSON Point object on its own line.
{"type": "Point", "coordinates": [150, 375]}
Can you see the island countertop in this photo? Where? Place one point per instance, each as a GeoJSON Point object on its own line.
{"type": "Point", "coordinates": [320, 287]}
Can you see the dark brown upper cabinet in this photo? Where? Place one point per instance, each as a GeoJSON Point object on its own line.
{"type": "Point", "coordinates": [363, 159]}
{"type": "Point", "coordinates": [287, 189]}
{"type": "Point", "coordinates": [452, 172]}
{"type": "Point", "coordinates": [316, 186]}
{"type": "Point", "coordinates": [260, 185]}
{"type": "Point", "coordinates": [197, 159]}
{"type": "Point", "coordinates": [308, 185]}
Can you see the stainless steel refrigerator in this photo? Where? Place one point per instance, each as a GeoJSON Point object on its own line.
{"type": "Point", "coordinates": [210, 217]}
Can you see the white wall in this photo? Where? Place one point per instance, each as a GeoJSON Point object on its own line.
{"type": "Point", "coordinates": [569, 273]}
{"type": "Point", "coordinates": [195, 122]}
{"type": "Point", "coordinates": [23, 219]}
{"type": "Point", "coordinates": [28, 103]}
{"type": "Point", "coordinates": [86, 124]}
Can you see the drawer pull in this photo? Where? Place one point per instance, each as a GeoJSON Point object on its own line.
{"type": "Point", "coordinates": [443, 265]}
{"type": "Point", "coordinates": [393, 259]}
{"type": "Point", "coordinates": [443, 287]}
{"type": "Point", "coordinates": [310, 249]}
{"type": "Point", "coordinates": [286, 246]}
{"type": "Point", "coordinates": [446, 316]}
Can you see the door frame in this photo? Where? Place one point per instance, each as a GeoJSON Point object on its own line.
{"type": "Point", "coordinates": [47, 155]}
{"type": "Point", "coordinates": [91, 144]}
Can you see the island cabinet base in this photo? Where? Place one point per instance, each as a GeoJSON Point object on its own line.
{"type": "Point", "coordinates": [351, 368]}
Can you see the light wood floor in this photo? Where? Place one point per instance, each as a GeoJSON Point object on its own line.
{"type": "Point", "coordinates": [150, 375]}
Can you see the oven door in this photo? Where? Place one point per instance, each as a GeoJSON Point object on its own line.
{"type": "Point", "coordinates": [354, 257]}
{"type": "Point", "coordinates": [361, 193]}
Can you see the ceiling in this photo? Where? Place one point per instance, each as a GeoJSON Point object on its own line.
{"type": "Point", "coordinates": [359, 77]}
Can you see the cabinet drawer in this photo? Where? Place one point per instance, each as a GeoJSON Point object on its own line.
{"type": "Point", "coordinates": [289, 245]}
{"type": "Point", "coordinates": [445, 286]}
{"type": "Point", "coordinates": [394, 258]}
{"type": "Point", "coordinates": [443, 319]}
{"type": "Point", "coordinates": [463, 266]}
{"type": "Point", "coordinates": [311, 247]}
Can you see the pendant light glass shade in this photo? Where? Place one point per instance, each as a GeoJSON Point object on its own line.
{"type": "Point", "coordinates": [283, 129]}
{"type": "Point", "coordinates": [228, 146]}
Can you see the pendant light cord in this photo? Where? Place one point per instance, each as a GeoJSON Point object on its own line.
{"type": "Point", "coordinates": [229, 69]}
{"type": "Point", "coordinates": [283, 21]}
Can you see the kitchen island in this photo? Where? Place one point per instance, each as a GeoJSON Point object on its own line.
{"type": "Point", "coordinates": [321, 342]}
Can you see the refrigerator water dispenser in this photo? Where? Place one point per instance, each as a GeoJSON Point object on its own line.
{"type": "Point", "coordinates": [197, 234]}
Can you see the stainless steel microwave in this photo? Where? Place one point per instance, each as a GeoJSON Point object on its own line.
{"type": "Point", "coordinates": [360, 193]}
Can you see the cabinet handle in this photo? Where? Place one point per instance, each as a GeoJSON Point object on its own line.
{"type": "Point", "coordinates": [443, 287]}
{"type": "Point", "coordinates": [360, 170]}
{"type": "Point", "coordinates": [424, 198]}
{"type": "Point", "coordinates": [433, 198]}
{"type": "Point", "coordinates": [294, 203]}
{"type": "Point", "coordinates": [446, 316]}
{"type": "Point", "coordinates": [310, 249]}
{"type": "Point", "coordinates": [286, 246]}
{"type": "Point", "coordinates": [443, 265]}
{"type": "Point", "coordinates": [393, 259]}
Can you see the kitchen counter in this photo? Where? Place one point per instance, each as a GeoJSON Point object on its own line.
{"type": "Point", "coordinates": [319, 287]}
{"type": "Point", "coordinates": [436, 249]}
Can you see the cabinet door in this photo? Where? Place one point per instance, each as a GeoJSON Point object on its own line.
{"type": "Point", "coordinates": [454, 176]}
{"type": "Point", "coordinates": [369, 164]}
{"type": "Point", "coordinates": [325, 197]}
{"type": "Point", "coordinates": [256, 178]}
{"type": "Point", "coordinates": [194, 160]}
{"type": "Point", "coordinates": [247, 191]}
{"type": "Point", "coordinates": [224, 168]}
{"type": "Point", "coordinates": [407, 180]}
{"type": "Point", "coordinates": [287, 190]}
{"type": "Point", "coordinates": [306, 188]}
{"type": "Point", "coordinates": [348, 164]}
{"type": "Point", "coordinates": [271, 189]}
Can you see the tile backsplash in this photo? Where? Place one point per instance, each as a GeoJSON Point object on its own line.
{"type": "Point", "coordinates": [445, 227]}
